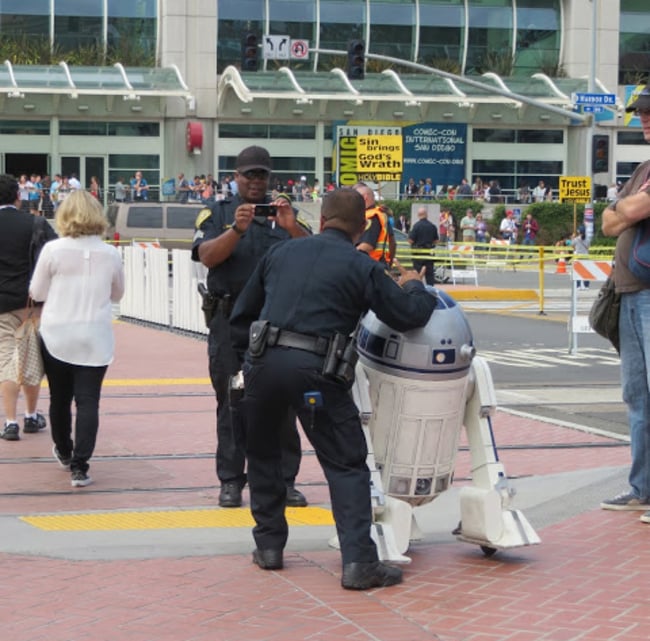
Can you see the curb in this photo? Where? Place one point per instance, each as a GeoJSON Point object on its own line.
{"type": "Point", "coordinates": [468, 293]}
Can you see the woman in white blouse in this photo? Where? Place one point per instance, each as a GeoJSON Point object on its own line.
{"type": "Point", "coordinates": [78, 277]}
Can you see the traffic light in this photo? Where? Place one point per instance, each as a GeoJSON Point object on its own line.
{"type": "Point", "coordinates": [356, 60]}
{"type": "Point", "coordinates": [600, 154]}
{"type": "Point", "coordinates": [249, 52]}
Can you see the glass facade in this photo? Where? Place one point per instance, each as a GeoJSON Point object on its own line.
{"type": "Point", "coordinates": [293, 132]}
{"type": "Point", "coordinates": [634, 43]}
{"type": "Point", "coordinates": [393, 29]}
{"type": "Point", "coordinates": [511, 174]}
{"type": "Point", "coordinates": [79, 31]}
{"type": "Point", "coordinates": [442, 34]}
{"type": "Point", "coordinates": [340, 21]}
{"type": "Point", "coordinates": [538, 37]}
{"type": "Point", "coordinates": [285, 168]}
{"type": "Point", "coordinates": [505, 36]}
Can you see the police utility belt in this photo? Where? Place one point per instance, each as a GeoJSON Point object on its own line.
{"type": "Point", "coordinates": [339, 351]}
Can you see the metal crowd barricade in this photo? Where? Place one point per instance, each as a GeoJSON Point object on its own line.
{"type": "Point", "coordinates": [583, 270]}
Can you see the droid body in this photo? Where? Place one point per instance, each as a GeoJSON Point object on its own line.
{"type": "Point", "coordinates": [416, 390]}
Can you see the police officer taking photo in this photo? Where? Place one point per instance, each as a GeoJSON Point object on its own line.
{"type": "Point", "coordinates": [301, 305]}
{"type": "Point", "coordinates": [231, 237]}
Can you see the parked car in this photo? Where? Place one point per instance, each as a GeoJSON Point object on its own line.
{"type": "Point", "coordinates": [169, 224]}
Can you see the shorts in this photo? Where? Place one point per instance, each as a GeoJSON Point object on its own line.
{"type": "Point", "coordinates": [9, 323]}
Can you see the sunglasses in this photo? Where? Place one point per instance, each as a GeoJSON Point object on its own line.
{"type": "Point", "coordinates": [642, 112]}
{"type": "Point", "coordinates": [255, 174]}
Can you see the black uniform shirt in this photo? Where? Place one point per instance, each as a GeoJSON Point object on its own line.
{"type": "Point", "coordinates": [424, 234]}
{"type": "Point", "coordinates": [321, 285]}
{"type": "Point", "coordinates": [230, 276]}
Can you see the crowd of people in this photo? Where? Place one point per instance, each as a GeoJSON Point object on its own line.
{"type": "Point", "coordinates": [42, 195]}
{"type": "Point", "coordinates": [206, 189]}
{"type": "Point", "coordinates": [487, 191]}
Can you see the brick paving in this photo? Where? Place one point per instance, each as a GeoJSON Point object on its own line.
{"type": "Point", "coordinates": [584, 582]}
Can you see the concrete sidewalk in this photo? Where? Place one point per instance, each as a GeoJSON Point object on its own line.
{"type": "Point", "coordinates": [144, 554]}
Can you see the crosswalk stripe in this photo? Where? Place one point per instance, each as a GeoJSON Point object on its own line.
{"type": "Point", "coordinates": [549, 357]}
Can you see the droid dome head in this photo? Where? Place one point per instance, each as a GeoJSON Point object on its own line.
{"type": "Point", "coordinates": [443, 348]}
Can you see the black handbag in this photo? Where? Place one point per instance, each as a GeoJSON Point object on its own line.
{"type": "Point", "coordinates": [604, 313]}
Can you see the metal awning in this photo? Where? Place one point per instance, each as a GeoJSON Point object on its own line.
{"type": "Point", "coordinates": [264, 91]}
{"type": "Point", "coordinates": [17, 81]}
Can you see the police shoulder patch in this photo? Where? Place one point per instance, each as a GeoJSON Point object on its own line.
{"type": "Point", "coordinates": [203, 215]}
{"type": "Point", "coordinates": [303, 223]}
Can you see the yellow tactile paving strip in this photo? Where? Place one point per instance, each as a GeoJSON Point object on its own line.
{"type": "Point", "coordinates": [169, 519]}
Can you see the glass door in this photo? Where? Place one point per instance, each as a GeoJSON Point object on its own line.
{"type": "Point", "coordinates": [94, 169]}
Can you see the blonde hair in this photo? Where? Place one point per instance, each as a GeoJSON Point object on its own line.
{"type": "Point", "coordinates": [80, 214]}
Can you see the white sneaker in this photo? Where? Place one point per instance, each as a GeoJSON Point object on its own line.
{"type": "Point", "coordinates": [80, 479]}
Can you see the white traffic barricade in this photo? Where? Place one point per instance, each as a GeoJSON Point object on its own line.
{"type": "Point", "coordinates": [583, 270]}
{"type": "Point", "coordinates": [463, 263]}
{"type": "Point", "coordinates": [498, 253]}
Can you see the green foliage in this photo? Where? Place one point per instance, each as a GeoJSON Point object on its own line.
{"type": "Point", "coordinates": [30, 50]}
{"type": "Point", "coordinates": [445, 64]}
{"type": "Point", "coordinates": [25, 50]}
{"type": "Point", "coordinates": [555, 220]}
{"type": "Point", "coordinates": [499, 62]}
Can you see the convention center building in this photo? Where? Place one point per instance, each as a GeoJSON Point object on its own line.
{"type": "Point", "coordinates": [338, 90]}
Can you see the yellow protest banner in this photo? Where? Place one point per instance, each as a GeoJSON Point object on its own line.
{"type": "Point", "coordinates": [575, 189]}
{"type": "Point", "coordinates": [380, 154]}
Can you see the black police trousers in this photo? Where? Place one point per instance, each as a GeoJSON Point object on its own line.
{"type": "Point", "coordinates": [230, 456]}
{"type": "Point", "coordinates": [429, 271]}
{"type": "Point", "coordinates": [274, 383]}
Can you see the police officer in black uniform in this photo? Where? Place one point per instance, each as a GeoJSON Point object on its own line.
{"type": "Point", "coordinates": [230, 239]}
{"type": "Point", "coordinates": [310, 294]}
{"type": "Point", "coordinates": [423, 236]}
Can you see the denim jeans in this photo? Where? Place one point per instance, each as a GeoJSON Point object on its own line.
{"type": "Point", "coordinates": [634, 327]}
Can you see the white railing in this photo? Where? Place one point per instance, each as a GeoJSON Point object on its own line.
{"type": "Point", "coordinates": [156, 295]}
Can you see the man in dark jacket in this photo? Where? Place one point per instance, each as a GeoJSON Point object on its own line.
{"type": "Point", "coordinates": [312, 293]}
{"type": "Point", "coordinates": [21, 236]}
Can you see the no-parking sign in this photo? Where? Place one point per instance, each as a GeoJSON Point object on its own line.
{"type": "Point", "coordinates": [299, 49]}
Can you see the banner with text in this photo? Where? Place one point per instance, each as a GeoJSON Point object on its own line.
{"type": "Point", "coordinates": [435, 150]}
{"type": "Point", "coordinates": [575, 189]}
{"type": "Point", "coordinates": [368, 153]}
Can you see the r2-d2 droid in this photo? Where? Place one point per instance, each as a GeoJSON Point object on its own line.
{"type": "Point", "coordinates": [415, 391]}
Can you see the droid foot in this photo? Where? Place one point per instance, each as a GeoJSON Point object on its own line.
{"type": "Point", "coordinates": [363, 576]}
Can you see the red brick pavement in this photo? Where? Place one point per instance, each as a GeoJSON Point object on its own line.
{"type": "Point", "coordinates": [586, 581]}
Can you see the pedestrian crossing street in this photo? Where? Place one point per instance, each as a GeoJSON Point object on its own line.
{"type": "Point", "coordinates": [528, 357]}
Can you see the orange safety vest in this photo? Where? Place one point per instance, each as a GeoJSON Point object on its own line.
{"type": "Point", "coordinates": [381, 252]}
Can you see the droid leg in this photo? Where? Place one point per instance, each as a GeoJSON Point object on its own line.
{"type": "Point", "coordinates": [486, 518]}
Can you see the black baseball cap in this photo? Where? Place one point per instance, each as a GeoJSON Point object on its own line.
{"type": "Point", "coordinates": [642, 100]}
{"type": "Point", "coordinates": [253, 158]}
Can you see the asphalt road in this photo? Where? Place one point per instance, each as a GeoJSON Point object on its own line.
{"type": "Point", "coordinates": [535, 373]}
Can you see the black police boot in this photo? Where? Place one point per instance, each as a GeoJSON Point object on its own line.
{"type": "Point", "coordinates": [230, 494]}
{"type": "Point", "coordinates": [363, 576]}
{"type": "Point", "coordinates": [268, 559]}
{"type": "Point", "coordinates": [295, 498]}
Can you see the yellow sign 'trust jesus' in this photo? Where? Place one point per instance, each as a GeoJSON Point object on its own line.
{"type": "Point", "coordinates": [575, 189]}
